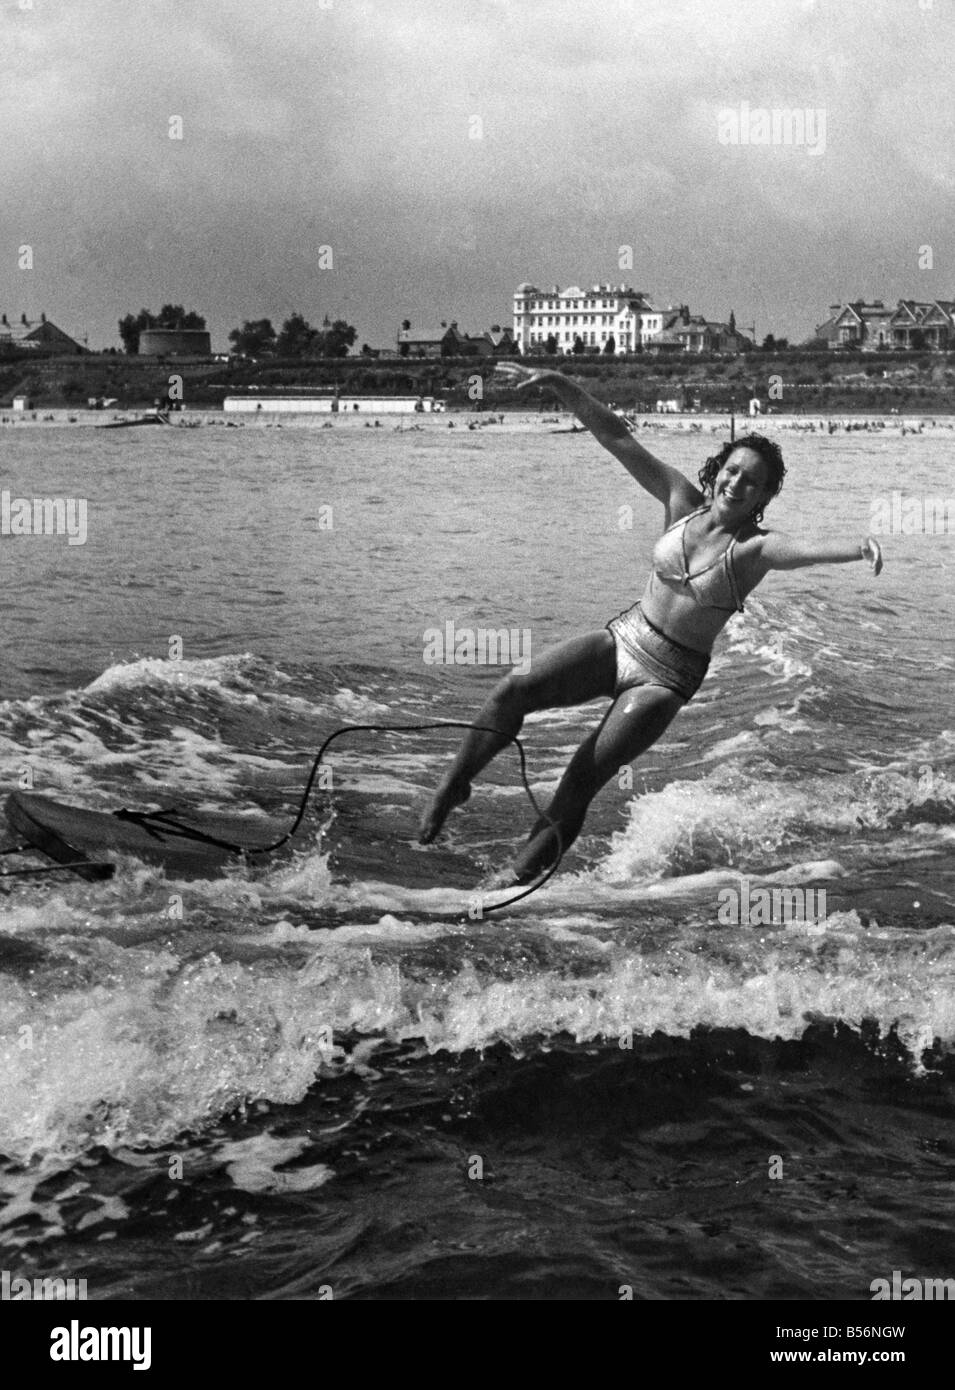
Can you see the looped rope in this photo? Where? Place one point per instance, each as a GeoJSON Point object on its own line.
{"type": "Point", "coordinates": [168, 822]}
{"type": "Point", "coordinates": [423, 728]}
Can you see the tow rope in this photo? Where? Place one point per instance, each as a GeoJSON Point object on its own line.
{"type": "Point", "coordinates": [169, 821]}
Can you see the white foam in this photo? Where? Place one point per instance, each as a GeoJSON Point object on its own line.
{"type": "Point", "coordinates": [253, 1164]}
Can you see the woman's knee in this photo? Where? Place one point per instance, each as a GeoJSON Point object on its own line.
{"type": "Point", "coordinates": [513, 694]}
{"type": "Point", "coordinates": [586, 774]}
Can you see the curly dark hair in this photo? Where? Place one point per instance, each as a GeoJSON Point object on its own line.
{"type": "Point", "coordinates": [769, 452]}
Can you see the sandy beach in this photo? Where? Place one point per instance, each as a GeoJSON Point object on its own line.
{"type": "Point", "coordinates": [496, 421]}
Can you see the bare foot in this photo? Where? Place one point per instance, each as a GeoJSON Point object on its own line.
{"type": "Point", "coordinates": [448, 795]}
{"type": "Point", "coordinates": [535, 859]}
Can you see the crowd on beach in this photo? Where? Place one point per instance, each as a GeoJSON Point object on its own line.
{"type": "Point", "coordinates": [912, 425]}
{"type": "Point", "coordinates": [558, 423]}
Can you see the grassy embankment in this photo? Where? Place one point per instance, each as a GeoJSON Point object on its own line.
{"type": "Point", "coordinates": [809, 382]}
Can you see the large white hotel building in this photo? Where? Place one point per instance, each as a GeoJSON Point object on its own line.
{"type": "Point", "coordinates": [594, 315]}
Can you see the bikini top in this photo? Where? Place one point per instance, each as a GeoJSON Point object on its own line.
{"type": "Point", "coordinates": [714, 580]}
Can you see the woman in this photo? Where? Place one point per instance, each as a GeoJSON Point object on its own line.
{"type": "Point", "coordinates": [652, 658]}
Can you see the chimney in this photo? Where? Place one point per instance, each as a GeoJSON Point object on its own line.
{"type": "Point", "coordinates": [43, 318]}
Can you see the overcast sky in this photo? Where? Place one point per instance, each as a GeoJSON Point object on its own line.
{"type": "Point", "coordinates": [350, 123]}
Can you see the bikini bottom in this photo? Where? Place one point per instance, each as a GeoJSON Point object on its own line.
{"type": "Point", "coordinates": [646, 656]}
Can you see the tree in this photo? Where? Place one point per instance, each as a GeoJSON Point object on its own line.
{"type": "Point", "coordinates": [169, 316]}
{"type": "Point", "coordinates": [175, 316]}
{"type": "Point", "coordinates": [917, 340]}
{"type": "Point", "coordinates": [256, 338]}
{"type": "Point", "coordinates": [551, 345]}
{"type": "Point", "coordinates": [130, 328]}
{"type": "Point", "coordinates": [732, 323]}
{"type": "Point", "coordinates": [610, 346]}
{"type": "Point", "coordinates": [297, 338]}
{"type": "Point", "coordinates": [579, 346]}
{"type": "Point", "coordinates": [769, 343]}
{"type": "Point", "coordinates": [336, 338]}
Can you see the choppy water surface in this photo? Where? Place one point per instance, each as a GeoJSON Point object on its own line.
{"type": "Point", "coordinates": [329, 1046]}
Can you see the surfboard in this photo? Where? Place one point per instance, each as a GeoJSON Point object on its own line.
{"type": "Point", "coordinates": [189, 844]}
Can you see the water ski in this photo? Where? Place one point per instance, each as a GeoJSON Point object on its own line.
{"type": "Point", "coordinates": [188, 844]}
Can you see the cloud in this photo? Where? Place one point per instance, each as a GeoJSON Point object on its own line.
{"type": "Point", "coordinates": [353, 126]}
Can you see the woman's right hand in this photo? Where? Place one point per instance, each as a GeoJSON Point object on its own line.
{"type": "Point", "coordinates": [872, 552]}
{"type": "Point", "coordinates": [519, 377]}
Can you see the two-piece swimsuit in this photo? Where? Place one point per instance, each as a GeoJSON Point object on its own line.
{"type": "Point", "coordinates": [645, 655]}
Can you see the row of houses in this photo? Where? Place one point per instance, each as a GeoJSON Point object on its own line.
{"type": "Point", "coordinates": [878, 327]}
{"type": "Point", "coordinates": [576, 319]}
{"type": "Point", "coordinates": [602, 318]}
{"type": "Point", "coordinates": [447, 340]}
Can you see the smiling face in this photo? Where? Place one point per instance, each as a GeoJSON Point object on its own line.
{"type": "Point", "coordinates": [741, 485]}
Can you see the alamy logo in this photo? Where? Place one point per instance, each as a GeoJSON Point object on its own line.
{"type": "Point", "coordinates": [909, 1290]}
{"type": "Point", "coordinates": [15, 1288]}
{"type": "Point", "coordinates": [482, 646]}
{"type": "Point", "coordinates": [898, 515]}
{"type": "Point", "coordinates": [75, 1343]}
{"type": "Point", "coordinates": [757, 907]}
{"type": "Point", "coordinates": [781, 126]}
{"type": "Point", "coordinates": [43, 516]}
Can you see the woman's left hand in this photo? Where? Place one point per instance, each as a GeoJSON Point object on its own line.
{"type": "Point", "coordinates": [872, 551]}
{"type": "Point", "coordinates": [516, 375]}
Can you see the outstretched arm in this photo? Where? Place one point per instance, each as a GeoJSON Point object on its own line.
{"type": "Point", "coordinates": [666, 484]}
{"type": "Point", "coordinates": [779, 552]}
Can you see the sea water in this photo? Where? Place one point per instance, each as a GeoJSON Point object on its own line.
{"type": "Point", "coordinates": [326, 1078]}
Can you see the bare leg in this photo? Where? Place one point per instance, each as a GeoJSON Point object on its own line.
{"type": "Point", "coordinates": [633, 723]}
{"type": "Point", "coordinates": [573, 673]}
